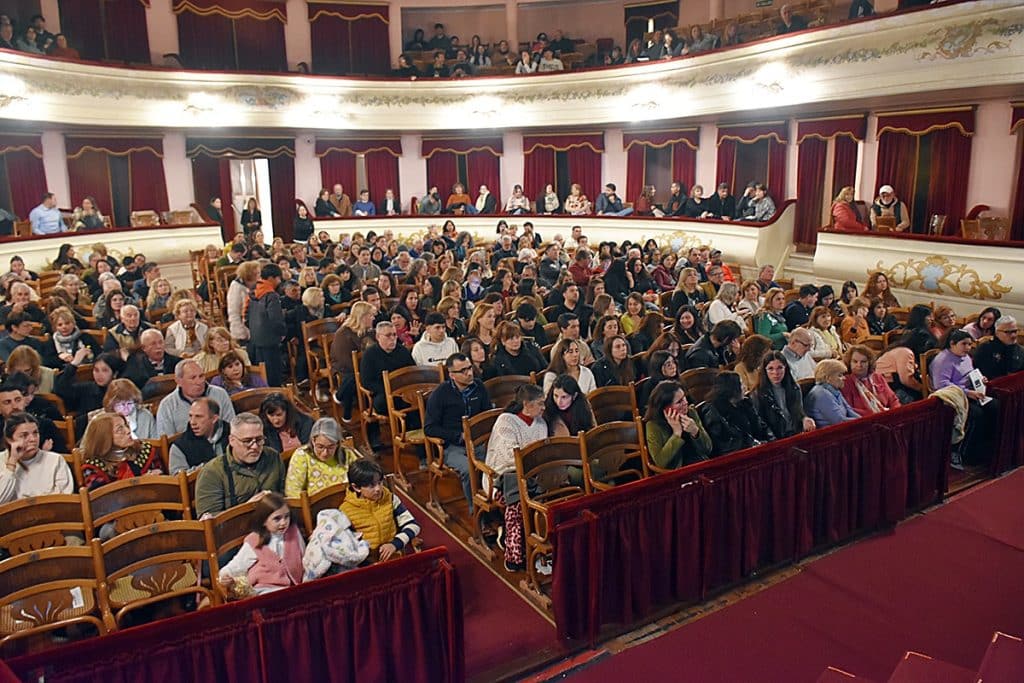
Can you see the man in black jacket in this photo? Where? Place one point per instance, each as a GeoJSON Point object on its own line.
{"type": "Point", "coordinates": [676, 200]}
{"type": "Point", "coordinates": [381, 358]}
{"type": "Point", "coordinates": [722, 204]}
{"type": "Point", "coordinates": [798, 312]}
{"type": "Point", "coordinates": [461, 396]}
{"type": "Point", "coordinates": [267, 324]}
{"type": "Point", "coordinates": [1001, 355]}
{"type": "Point", "coordinates": [149, 361]}
{"type": "Point", "coordinates": [716, 348]}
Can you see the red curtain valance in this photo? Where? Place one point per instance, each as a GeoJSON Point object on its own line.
{"type": "Point", "coordinates": [923, 122]}
{"type": "Point", "coordinates": [461, 146]}
{"type": "Point", "coordinates": [832, 126]}
{"type": "Point", "coordinates": [325, 146]}
{"type": "Point", "coordinates": [76, 146]}
{"type": "Point", "coordinates": [1018, 117]}
{"type": "Point", "coordinates": [347, 11]}
{"type": "Point", "coordinates": [22, 143]}
{"type": "Point", "coordinates": [754, 132]}
{"type": "Point", "coordinates": [662, 138]}
{"type": "Point", "coordinates": [564, 142]}
{"type": "Point", "coordinates": [240, 148]}
{"type": "Point", "coordinates": [261, 10]}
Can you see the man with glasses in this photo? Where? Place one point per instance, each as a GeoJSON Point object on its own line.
{"type": "Point", "coordinates": [798, 354]}
{"type": "Point", "coordinates": [461, 396]}
{"type": "Point", "coordinates": [248, 469]}
{"type": "Point", "coordinates": [1001, 355]}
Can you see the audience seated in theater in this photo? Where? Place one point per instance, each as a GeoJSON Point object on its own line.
{"type": "Point", "coordinates": [615, 368]}
{"type": "Point", "coordinates": [149, 361]}
{"type": "Point", "coordinates": [880, 320]}
{"type": "Point", "coordinates": [887, 204]}
{"type": "Point", "coordinates": [390, 205]}
{"type": "Point", "coordinates": [367, 506]}
{"type": "Point", "coordinates": [364, 206]}
{"type": "Point", "coordinates": [19, 331]}
{"type": "Point", "coordinates": [855, 327]}
{"type": "Point", "coordinates": [459, 202]}
{"type": "Point", "coordinates": [247, 469]}
{"type": "Point", "coordinates": [826, 341]}
{"type": "Point", "coordinates": [722, 308]}
{"type": "Point", "coordinates": [322, 462]}
{"type": "Point", "coordinates": [778, 399]}
{"type": "Point", "coordinates": [609, 203]}
{"type": "Point", "coordinates": [984, 326]}
{"type": "Point", "coordinates": [798, 312]}
{"type": "Point", "coordinates": [548, 202]}
{"type": "Point", "coordinates": [518, 203]}
{"type": "Point", "coordinates": [567, 409]}
{"type": "Point", "coordinates": [234, 375]}
{"type": "Point", "coordinates": [418, 43]}
{"type": "Point", "coordinates": [205, 437]}
{"type": "Point", "coordinates": [864, 389]}
{"type": "Point", "coordinates": [950, 368]}
{"type": "Point", "coordinates": [340, 201]}
{"type": "Point", "coordinates": [217, 344]}
{"type": "Point", "coordinates": [26, 359]}
{"type": "Point", "coordinates": [577, 204]}
{"type": "Point", "coordinates": [514, 355]}
{"type": "Point", "coordinates": [673, 429]}
{"type": "Point", "coordinates": [687, 328]}
{"type": "Point", "coordinates": [434, 346]}
{"type": "Point", "coordinates": [21, 300]}
{"type": "Point", "coordinates": [1001, 355]}
{"type": "Point", "coordinates": [172, 415]}
{"type": "Point", "coordinates": [30, 470]}
{"type": "Point", "coordinates": [696, 206]}
{"type": "Point", "coordinates": [943, 322]}
{"type": "Point", "coordinates": [110, 453]}
{"type": "Point", "coordinates": [187, 334]}
{"type": "Point", "coordinates": [382, 357]}
{"type": "Point", "coordinates": [125, 399]}
{"type": "Point", "coordinates": [715, 348]}
{"type": "Point", "coordinates": [430, 204]}
{"type": "Point", "coordinates": [721, 205]}
{"type": "Point", "coordinates": [26, 42]}
{"type": "Point", "coordinates": [918, 336]}
{"type": "Point", "coordinates": [87, 216]}
{"type": "Point", "coordinates": [700, 41]}
{"type": "Point", "coordinates": [549, 62]}
{"type": "Point", "coordinates": [662, 365]}
{"type": "Point", "coordinates": [844, 216]}
{"type": "Point", "coordinates": [825, 403]}
{"type": "Point", "coordinates": [405, 68]}
{"type": "Point", "coordinates": [688, 291]}
{"type": "Point", "coordinates": [798, 354]}
{"type": "Point", "coordinates": [730, 418]}
{"type": "Point", "coordinates": [324, 207]}
{"type": "Point", "coordinates": [270, 557]}
{"type": "Point", "coordinates": [525, 63]}
{"type": "Point", "coordinates": [566, 359]}
{"type": "Point", "coordinates": [761, 207]}
{"type": "Point", "coordinates": [789, 22]}
{"type": "Point", "coordinates": [749, 360]}
{"type": "Point", "coordinates": [715, 278]}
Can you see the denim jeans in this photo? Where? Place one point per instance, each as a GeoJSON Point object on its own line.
{"type": "Point", "coordinates": [455, 457]}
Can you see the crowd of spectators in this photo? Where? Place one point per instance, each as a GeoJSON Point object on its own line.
{"type": "Point", "coordinates": [33, 38]}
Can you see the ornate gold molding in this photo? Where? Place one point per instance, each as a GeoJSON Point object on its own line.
{"type": "Point", "coordinates": [937, 274]}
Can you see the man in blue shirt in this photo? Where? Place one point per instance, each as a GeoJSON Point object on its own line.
{"type": "Point", "coordinates": [364, 207]}
{"type": "Point", "coordinates": [609, 204]}
{"type": "Point", "coordinates": [46, 218]}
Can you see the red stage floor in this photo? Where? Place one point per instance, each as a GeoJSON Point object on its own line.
{"type": "Point", "coordinates": [941, 584]}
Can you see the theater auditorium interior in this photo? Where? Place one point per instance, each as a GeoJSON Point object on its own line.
{"type": "Point", "coordinates": [512, 340]}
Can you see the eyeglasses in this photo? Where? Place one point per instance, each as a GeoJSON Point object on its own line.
{"type": "Point", "coordinates": [460, 371]}
{"type": "Point", "coordinates": [1012, 332]}
{"type": "Point", "coordinates": [253, 441]}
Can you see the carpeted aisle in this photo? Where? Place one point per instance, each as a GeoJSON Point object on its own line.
{"type": "Point", "coordinates": [940, 585]}
{"type": "Point", "coordinates": [503, 633]}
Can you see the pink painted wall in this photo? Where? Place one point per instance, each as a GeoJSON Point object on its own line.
{"type": "Point", "coordinates": [464, 22]}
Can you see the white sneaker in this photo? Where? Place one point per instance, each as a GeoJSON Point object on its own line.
{"type": "Point", "coordinates": [543, 566]}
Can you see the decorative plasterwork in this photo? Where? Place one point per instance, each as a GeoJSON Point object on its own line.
{"type": "Point", "coordinates": [938, 275]}
{"type": "Point", "coordinates": [967, 45]}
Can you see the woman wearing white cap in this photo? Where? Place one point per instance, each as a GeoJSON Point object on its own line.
{"type": "Point", "coordinates": [888, 205]}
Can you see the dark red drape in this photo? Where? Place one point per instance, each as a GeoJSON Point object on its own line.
{"type": "Point", "coordinates": [282, 194]}
{"type": "Point", "coordinates": [227, 197]}
{"type": "Point", "coordinates": [1017, 219]}
{"type": "Point", "coordinates": [382, 174]}
{"type": "Point", "coordinates": [349, 38]}
{"type": "Point", "coordinates": [483, 167]}
{"type": "Point", "coordinates": [350, 627]}
{"type": "Point", "coordinates": [339, 167]}
{"type": "Point", "coordinates": [897, 164]}
{"type": "Point", "coordinates": [636, 167]}
{"type": "Point", "coordinates": [211, 177]}
{"type": "Point", "coordinates": [443, 172]}
{"type": "Point", "coordinates": [539, 170]}
{"type": "Point", "coordinates": [585, 169]}
{"type": "Point", "coordinates": [726, 168]}
{"type": "Point", "coordinates": [82, 22]}
{"type": "Point", "coordinates": [844, 164]}
{"type": "Point", "coordinates": [950, 167]}
{"type": "Point", "coordinates": [26, 179]}
{"type": "Point", "coordinates": [776, 180]}
{"type": "Point", "coordinates": [810, 178]}
{"type": "Point", "coordinates": [206, 42]}
{"type": "Point", "coordinates": [259, 45]}
{"type": "Point", "coordinates": [149, 188]}
{"type": "Point", "coordinates": [89, 176]}
{"type": "Point", "coordinates": [684, 164]}
{"type": "Point", "coordinates": [125, 27]}
{"type": "Point", "coordinates": [1010, 445]}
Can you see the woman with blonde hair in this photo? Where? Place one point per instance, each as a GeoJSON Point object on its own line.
{"type": "Point", "coordinates": [159, 295]}
{"type": "Point", "coordinates": [721, 308]}
{"type": "Point", "coordinates": [844, 216]}
{"type": "Point", "coordinates": [355, 334]}
{"type": "Point", "coordinates": [577, 204]}
{"type": "Point", "coordinates": [218, 342]}
{"type": "Point", "coordinates": [124, 398]}
{"type": "Point", "coordinates": [482, 323]}
{"type": "Point", "coordinates": [110, 453]}
{"type": "Point", "coordinates": [688, 291]}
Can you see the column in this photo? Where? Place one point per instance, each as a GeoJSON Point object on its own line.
{"type": "Point", "coordinates": [412, 170]}
{"type": "Point", "coordinates": [395, 40]}
{"type": "Point", "coordinates": [178, 172]}
{"type": "Point", "coordinates": [298, 45]}
{"type": "Point", "coordinates": [716, 9]}
{"type": "Point", "coordinates": [791, 163]}
{"type": "Point", "coordinates": [50, 9]}
{"type": "Point", "coordinates": [869, 161]}
{"type": "Point", "coordinates": [707, 157]}
{"type": "Point", "coordinates": [307, 170]}
{"type": "Point", "coordinates": [512, 23]}
{"type": "Point", "coordinates": [513, 166]}
{"type": "Point", "coordinates": [613, 162]}
{"type": "Point", "coordinates": [55, 163]}
{"type": "Point", "coordinates": [162, 28]}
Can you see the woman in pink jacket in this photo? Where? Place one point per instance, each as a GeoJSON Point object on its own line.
{"type": "Point", "coordinates": [843, 215]}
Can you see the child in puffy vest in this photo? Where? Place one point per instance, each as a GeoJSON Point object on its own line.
{"type": "Point", "coordinates": [271, 556]}
{"type": "Point", "coordinates": [378, 514]}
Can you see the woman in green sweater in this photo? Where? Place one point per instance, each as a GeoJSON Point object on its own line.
{"type": "Point", "coordinates": [769, 321]}
{"type": "Point", "coordinates": [675, 436]}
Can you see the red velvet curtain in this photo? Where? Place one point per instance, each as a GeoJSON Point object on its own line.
{"type": "Point", "coordinates": [349, 38]}
{"type": "Point", "coordinates": [810, 176]}
{"type": "Point", "coordinates": [1017, 217]}
{"type": "Point", "coordinates": [636, 169]}
{"type": "Point", "coordinates": [126, 31]}
{"type": "Point", "coordinates": [149, 187]}
{"type": "Point", "coordinates": [726, 169]}
{"type": "Point", "coordinates": [684, 164]}
{"type": "Point", "coordinates": [950, 168]}
{"type": "Point", "coordinates": [82, 22]}
{"type": "Point", "coordinates": [442, 171]}
{"type": "Point", "coordinates": [483, 167]}
{"type": "Point", "coordinates": [844, 164]}
{"type": "Point", "coordinates": [382, 174]}
{"type": "Point", "coordinates": [211, 177]}
{"type": "Point", "coordinates": [1010, 446]}
{"type": "Point", "coordinates": [585, 169]}
{"type": "Point", "coordinates": [259, 45]}
{"type": "Point", "coordinates": [776, 180]}
{"type": "Point", "coordinates": [226, 196]}
{"type": "Point", "coordinates": [897, 165]}
{"type": "Point", "coordinates": [282, 194]}
{"type": "Point", "coordinates": [26, 179]}
{"type": "Point", "coordinates": [206, 42]}
{"type": "Point", "coordinates": [89, 176]}
{"type": "Point", "coordinates": [539, 170]}
{"type": "Point", "coordinates": [339, 167]}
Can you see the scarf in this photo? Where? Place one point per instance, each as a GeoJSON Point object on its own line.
{"type": "Point", "coordinates": [481, 201]}
{"type": "Point", "coordinates": [68, 344]}
{"type": "Point", "coordinates": [867, 393]}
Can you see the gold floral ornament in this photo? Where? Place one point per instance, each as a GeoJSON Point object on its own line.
{"type": "Point", "coordinates": [681, 239]}
{"type": "Point", "coordinates": [937, 274]}
{"type": "Point", "coordinates": [959, 41]}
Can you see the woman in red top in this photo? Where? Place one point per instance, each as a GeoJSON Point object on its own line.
{"type": "Point", "coordinates": [843, 215]}
{"type": "Point", "coordinates": [865, 390]}
{"type": "Point", "coordinates": [109, 452]}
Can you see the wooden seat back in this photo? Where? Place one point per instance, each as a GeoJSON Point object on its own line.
{"type": "Point", "coordinates": [136, 502]}
{"type": "Point", "coordinates": [926, 378]}
{"type": "Point", "coordinates": [611, 404]}
{"type": "Point", "coordinates": [38, 522]}
{"type": "Point", "coordinates": [476, 431]}
{"type": "Point", "coordinates": [545, 472]}
{"type": "Point", "coordinates": [329, 498]}
{"type": "Point", "coordinates": [698, 383]}
{"type": "Point", "coordinates": [611, 454]}
{"type": "Point", "coordinates": [503, 389]}
{"type": "Point", "coordinates": [249, 401]}
{"type": "Point", "coordinates": [885, 223]}
{"type": "Point", "coordinates": [226, 530]}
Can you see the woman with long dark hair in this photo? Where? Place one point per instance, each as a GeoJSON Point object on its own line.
{"type": "Point", "coordinates": [918, 336]}
{"type": "Point", "coordinates": [662, 366]}
{"type": "Point", "coordinates": [778, 399]}
{"type": "Point", "coordinates": [566, 360]}
{"type": "Point", "coordinates": [616, 367]}
{"type": "Point", "coordinates": [730, 418]}
{"type": "Point", "coordinates": [284, 426]}
{"type": "Point", "coordinates": [566, 408]}
{"type": "Point", "coordinates": [673, 430]}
